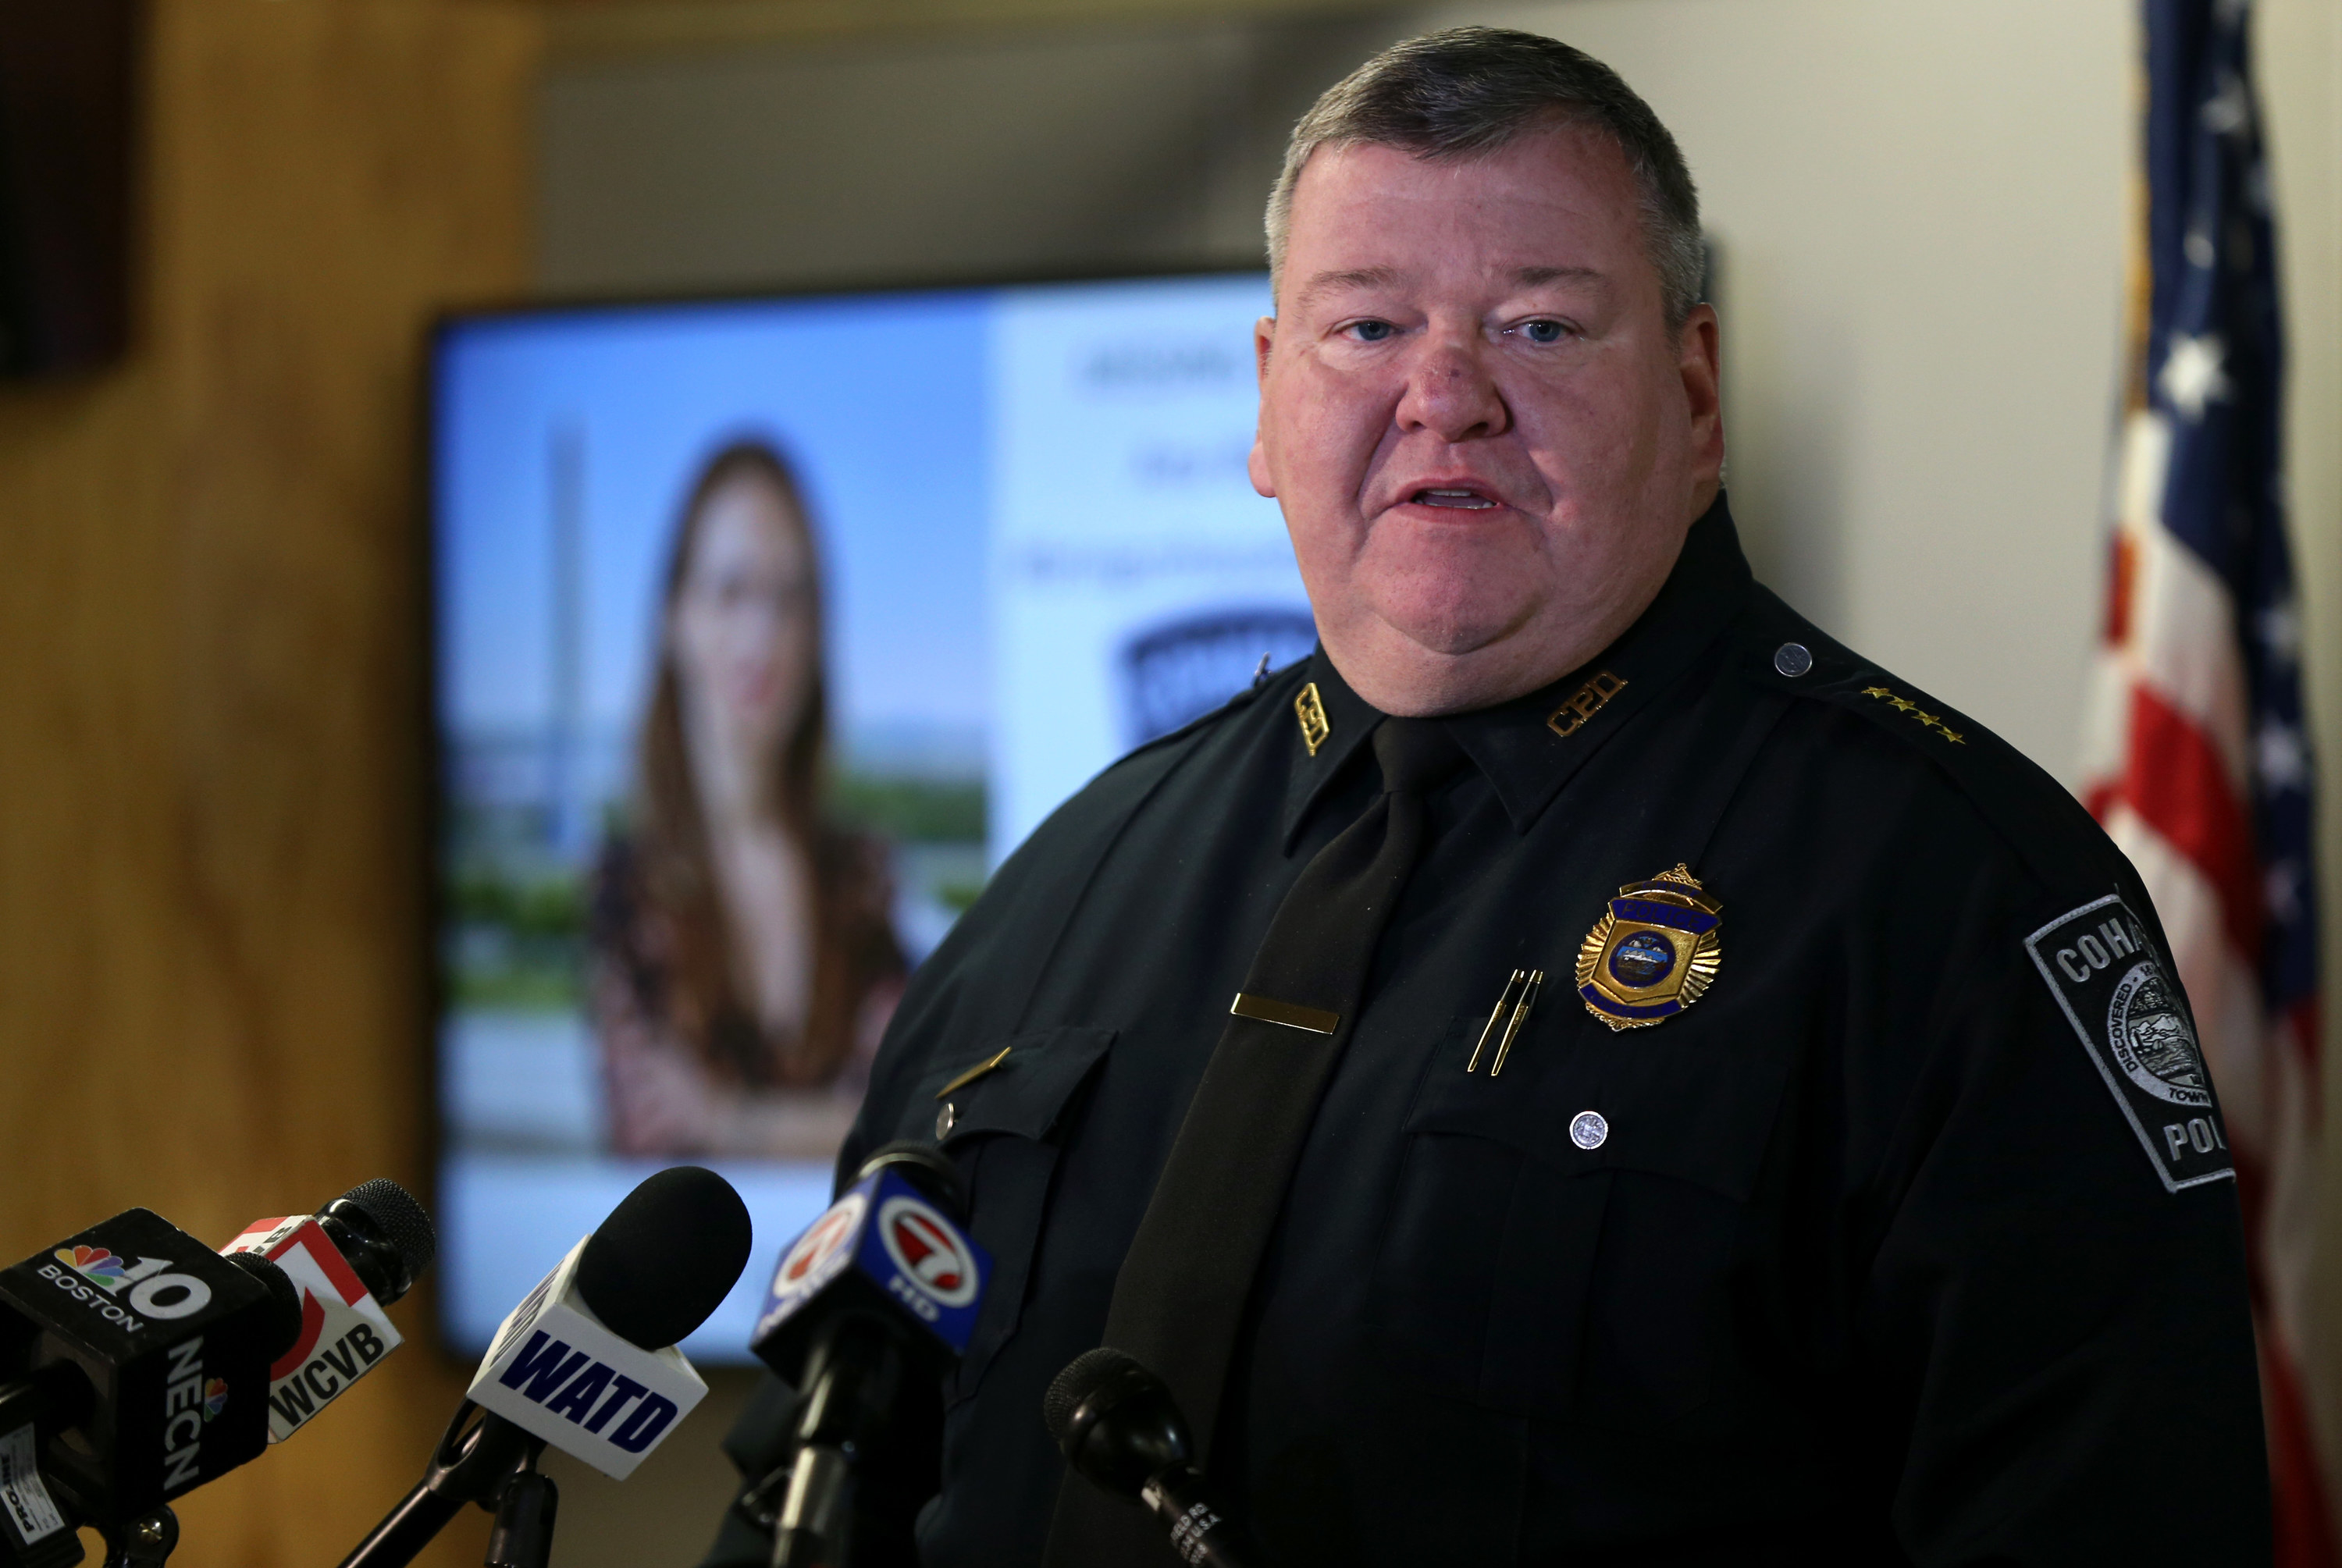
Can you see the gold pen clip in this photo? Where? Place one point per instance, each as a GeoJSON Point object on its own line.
{"type": "Point", "coordinates": [1504, 1004]}
{"type": "Point", "coordinates": [1520, 1016]}
{"type": "Point", "coordinates": [973, 1073]}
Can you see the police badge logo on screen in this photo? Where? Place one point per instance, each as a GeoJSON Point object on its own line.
{"type": "Point", "coordinates": [2133, 1021]}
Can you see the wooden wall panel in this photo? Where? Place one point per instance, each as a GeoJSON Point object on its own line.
{"type": "Point", "coordinates": [210, 676]}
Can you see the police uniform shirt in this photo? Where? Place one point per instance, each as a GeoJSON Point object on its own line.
{"type": "Point", "coordinates": [1912, 1239]}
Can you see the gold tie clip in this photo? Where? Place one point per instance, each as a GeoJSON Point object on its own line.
{"type": "Point", "coordinates": [1292, 1015]}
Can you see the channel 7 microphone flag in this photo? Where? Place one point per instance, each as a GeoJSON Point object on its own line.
{"type": "Point", "coordinates": [883, 1248]}
{"type": "Point", "coordinates": [869, 1309]}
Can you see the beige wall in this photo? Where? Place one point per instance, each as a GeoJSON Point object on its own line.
{"type": "Point", "coordinates": [772, 166]}
{"type": "Point", "coordinates": [2300, 59]}
{"type": "Point", "coordinates": [1920, 211]}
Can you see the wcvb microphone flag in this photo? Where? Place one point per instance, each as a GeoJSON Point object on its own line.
{"type": "Point", "coordinates": [344, 1330]}
{"type": "Point", "coordinates": [2196, 754]}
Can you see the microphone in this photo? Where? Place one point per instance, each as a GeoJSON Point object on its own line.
{"type": "Point", "coordinates": [586, 1363]}
{"type": "Point", "coordinates": [34, 1531]}
{"type": "Point", "coordinates": [351, 1259]}
{"type": "Point", "coordinates": [882, 1290]}
{"type": "Point", "coordinates": [1118, 1426]}
{"type": "Point", "coordinates": [136, 1361]}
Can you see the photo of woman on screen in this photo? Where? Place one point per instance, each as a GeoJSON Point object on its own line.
{"type": "Point", "coordinates": [744, 962]}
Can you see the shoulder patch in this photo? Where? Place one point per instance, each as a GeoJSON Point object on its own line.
{"type": "Point", "coordinates": [2133, 1020]}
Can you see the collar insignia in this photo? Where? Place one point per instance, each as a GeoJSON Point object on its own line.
{"type": "Point", "coordinates": [1653, 952]}
{"type": "Point", "coordinates": [1583, 703]}
{"type": "Point", "coordinates": [1311, 712]}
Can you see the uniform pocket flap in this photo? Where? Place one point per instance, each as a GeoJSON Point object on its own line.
{"type": "Point", "coordinates": [1030, 1081]}
{"type": "Point", "coordinates": [1695, 1108]}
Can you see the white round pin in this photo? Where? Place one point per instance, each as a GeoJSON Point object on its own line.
{"type": "Point", "coordinates": [1588, 1131]}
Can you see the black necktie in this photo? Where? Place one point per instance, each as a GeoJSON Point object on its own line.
{"type": "Point", "coordinates": [1180, 1297]}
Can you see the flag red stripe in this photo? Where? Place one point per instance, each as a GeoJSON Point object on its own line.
{"type": "Point", "coordinates": [2177, 784]}
{"type": "Point", "coordinates": [2305, 1527]}
{"type": "Point", "coordinates": [2303, 1025]}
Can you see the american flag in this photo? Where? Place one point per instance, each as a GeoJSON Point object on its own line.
{"type": "Point", "coordinates": [2196, 758]}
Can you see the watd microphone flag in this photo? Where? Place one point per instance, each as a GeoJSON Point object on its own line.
{"type": "Point", "coordinates": [586, 1362]}
{"type": "Point", "coordinates": [557, 1372]}
{"type": "Point", "coordinates": [2196, 755]}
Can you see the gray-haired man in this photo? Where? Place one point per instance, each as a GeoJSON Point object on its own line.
{"type": "Point", "coordinates": [1681, 1102]}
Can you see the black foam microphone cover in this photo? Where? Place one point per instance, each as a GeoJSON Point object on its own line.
{"type": "Point", "coordinates": [384, 1235]}
{"type": "Point", "coordinates": [666, 1256]}
{"type": "Point", "coordinates": [282, 1325]}
{"type": "Point", "coordinates": [1115, 1420]}
{"type": "Point", "coordinates": [1121, 1429]}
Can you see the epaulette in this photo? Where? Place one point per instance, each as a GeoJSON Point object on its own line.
{"type": "Point", "coordinates": [1777, 649]}
{"type": "Point", "coordinates": [1244, 699]}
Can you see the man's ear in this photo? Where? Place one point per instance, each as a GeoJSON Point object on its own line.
{"type": "Point", "coordinates": [1264, 482]}
{"type": "Point", "coordinates": [1264, 338]}
{"type": "Point", "coordinates": [1699, 361]}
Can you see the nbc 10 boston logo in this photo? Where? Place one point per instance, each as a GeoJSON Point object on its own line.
{"type": "Point", "coordinates": [154, 1292]}
{"type": "Point", "coordinates": [900, 1242]}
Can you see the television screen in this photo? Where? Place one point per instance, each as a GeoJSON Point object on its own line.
{"type": "Point", "coordinates": [764, 630]}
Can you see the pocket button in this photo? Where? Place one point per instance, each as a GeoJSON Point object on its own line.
{"type": "Point", "coordinates": [945, 1119]}
{"type": "Point", "coordinates": [1587, 1130]}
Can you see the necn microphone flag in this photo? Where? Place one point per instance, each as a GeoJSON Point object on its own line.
{"type": "Point", "coordinates": [175, 1342]}
{"type": "Point", "coordinates": [557, 1372]}
{"type": "Point", "coordinates": [2195, 753]}
{"type": "Point", "coordinates": [344, 1330]}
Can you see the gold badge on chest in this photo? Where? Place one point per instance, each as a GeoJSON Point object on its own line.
{"type": "Point", "coordinates": [1653, 952]}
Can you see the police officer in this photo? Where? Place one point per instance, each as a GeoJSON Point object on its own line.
{"type": "Point", "coordinates": [1689, 1096]}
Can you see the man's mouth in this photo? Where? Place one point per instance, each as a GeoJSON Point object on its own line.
{"type": "Point", "coordinates": [1462, 500]}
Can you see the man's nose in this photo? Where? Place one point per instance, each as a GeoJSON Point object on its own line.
{"type": "Point", "coordinates": [1450, 393]}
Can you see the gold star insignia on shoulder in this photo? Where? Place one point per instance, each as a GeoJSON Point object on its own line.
{"type": "Point", "coordinates": [1902, 704]}
{"type": "Point", "coordinates": [1311, 712]}
{"type": "Point", "coordinates": [1653, 952]}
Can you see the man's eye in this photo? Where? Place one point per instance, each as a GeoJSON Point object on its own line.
{"type": "Point", "coordinates": [1371, 331]}
{"type": "Point", "coordinates": [1543, 331]}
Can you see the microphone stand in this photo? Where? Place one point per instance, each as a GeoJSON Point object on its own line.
{"type": "Point", "coordinates": [522, 1536]}
{"type": "Point", "coordinates": [489, 1462]}
{"type": "Point", "coordinates": [144, 1543]}
{"type": "Point", "coordinates": [810, 1502]}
